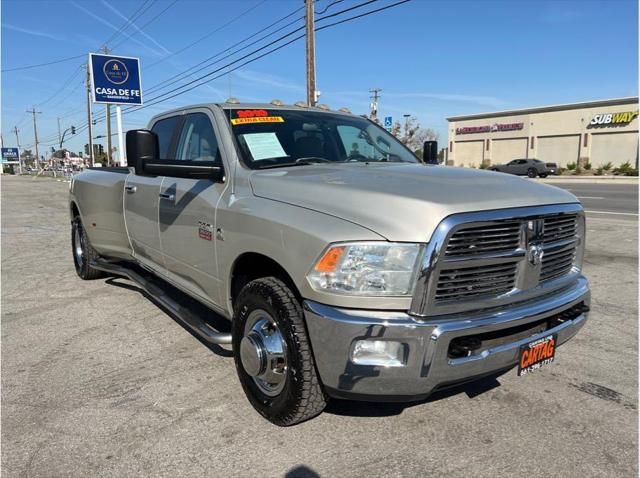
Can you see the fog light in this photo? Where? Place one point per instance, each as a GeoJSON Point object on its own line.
{"type": "Point", "coordinates": [378, 352]}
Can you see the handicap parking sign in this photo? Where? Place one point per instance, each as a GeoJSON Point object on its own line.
{"type": "Point", "coordinates": [388, 121]}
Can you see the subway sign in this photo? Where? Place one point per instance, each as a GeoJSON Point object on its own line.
{"type": "Point", "coordinates": [496, 127]}
{"type": "Point", "coordinates": [602, 120]}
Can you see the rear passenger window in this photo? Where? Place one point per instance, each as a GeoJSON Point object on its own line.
{"type": "Point", "coordinates": [197, 140]}
{"type": "Point", "coordinates": [164, 129]}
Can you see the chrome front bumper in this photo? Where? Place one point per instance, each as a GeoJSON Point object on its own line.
{"type": "Point", "coordinates": [428, 366]}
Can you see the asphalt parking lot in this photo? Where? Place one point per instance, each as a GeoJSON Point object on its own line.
{"type": "Point", "coordinates": [98, 381]}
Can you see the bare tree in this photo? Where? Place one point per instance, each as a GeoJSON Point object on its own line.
{"type": "Point", "coordinates": [412, 135]}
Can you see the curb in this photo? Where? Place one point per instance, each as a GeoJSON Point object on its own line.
{"type": "Point", "coordinates": [591, 179]}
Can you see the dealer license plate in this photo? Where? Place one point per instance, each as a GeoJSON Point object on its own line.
{"type": "Point", "coordinates": [537, 353]}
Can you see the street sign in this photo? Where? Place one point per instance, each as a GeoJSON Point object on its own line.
{"type": "Point", "coordinates": [10, 156]}
{"type": "Point", "coordinates": [388, 122]}
{"type": "Point", "coordinates": [115, 79]}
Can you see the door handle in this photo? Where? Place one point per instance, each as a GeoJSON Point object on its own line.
{"type": "Point", "coordinates": [130, 189]}
{"type": "Point", "coordinates": [169, 197]}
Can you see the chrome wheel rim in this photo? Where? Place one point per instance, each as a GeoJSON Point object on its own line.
{"type": "Point", "coordinates": [263, 353]}
{"type": "Point", "coordinates": [77, 246]}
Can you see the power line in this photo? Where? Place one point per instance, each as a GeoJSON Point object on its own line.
{"type": "Point", "coordinates": [260, 49]}
{"type": "Point", "coordinates": [175, 92]}
{"type": "Point", "coordinates": [66, 83]}
{"type": "Point", "coordinates": [38, 65]}
{"type": "Point", "coordinates": [329, 6]}
{"type": "Point", "coordinates": [134, 16]}
{"type": "Point", "coordinates": [180, 76]}
{"type": "Point", "coordinates": [386, 7]}
{"type": "Point", "coordinates": [204, 37]}
{"type": "Point", "coordinates": [148, 23]}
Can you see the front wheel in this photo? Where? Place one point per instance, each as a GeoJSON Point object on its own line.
{"type": "Point", "coordinates": [273, 354]}
{"type": "Point", "coordinates": [544, 175]}
{"type": "Point", "coordinates": [532, 173]}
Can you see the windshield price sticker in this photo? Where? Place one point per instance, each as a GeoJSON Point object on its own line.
{"type": "Point", "coordinates": [257, 119]}
{"type": "Point", "coordinates": [264, 146]}
{"type": "Point", "coordinates": [537, 354]}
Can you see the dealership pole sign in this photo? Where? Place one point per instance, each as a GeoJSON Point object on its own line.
{"type": "Point", "coordinates": [10, 156]}
{"type": "Point", "coordinates": [115, 80]}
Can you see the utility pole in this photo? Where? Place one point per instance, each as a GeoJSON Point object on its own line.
{"type": "Point", "coordinates": [59, 134]}
{"type": "Point", "coordinates": [406, 124]}
{"type": "Point", "coordinates": [35, 133]}
{"type": "Point", "coordinates": [106, 52]}
{"type": "Point", "coordinates": [375, 94]}
{"type": "Point", "coordinates": [311, 55]}
{"type": "Point", "coordinates": [89, 117]}
{"type": "Point", "coordinates": [16, 130]}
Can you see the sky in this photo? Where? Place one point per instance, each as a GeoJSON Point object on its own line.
{"type": "Point", "coordinates": [431, 58]}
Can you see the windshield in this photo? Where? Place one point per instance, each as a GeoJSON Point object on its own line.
{"type": "Point", "coordinates": [269, 138]}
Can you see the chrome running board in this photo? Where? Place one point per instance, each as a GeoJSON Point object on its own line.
{"type": "Point", "coordinates": [186, 317]}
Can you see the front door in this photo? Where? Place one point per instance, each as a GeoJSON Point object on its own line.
{"type": "Point", "coordinates": [187, 212]}
{"type": "Point", "coordinates": [141, 202]}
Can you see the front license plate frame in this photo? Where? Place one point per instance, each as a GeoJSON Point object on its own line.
{"type": "Point", "coordinates": [536, 354]}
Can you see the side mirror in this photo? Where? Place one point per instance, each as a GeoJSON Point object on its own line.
{"type": "Point", "coordinates": [142, 146]}
{"type": "Point", "coordinates": [430, 152]}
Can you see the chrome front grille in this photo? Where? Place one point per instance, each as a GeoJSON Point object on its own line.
{"type": "Point", "coordinates": [469, 282]}
{"type": "Point", "coordinates": [481, 260]}
{"type": "Point", "coordinates": [484, 239]}
{"type": "Point", "coordinates": [559, 228]}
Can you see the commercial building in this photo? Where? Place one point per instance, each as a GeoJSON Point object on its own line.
{"type": "Point", "coordinates": [597, 132]}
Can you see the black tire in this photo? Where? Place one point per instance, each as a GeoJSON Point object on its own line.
{"type": "Point", "coordinates": [544, 175]}
{"type": "Point", "coordinates": [532, 173]}
{"type": "Point", "coordinates": [81, 261]}
{"type": "Point", "coordinates": [302, 396]}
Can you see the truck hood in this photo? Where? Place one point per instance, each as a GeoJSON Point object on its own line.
{"type": "Point", "coordinates": [400, 201]}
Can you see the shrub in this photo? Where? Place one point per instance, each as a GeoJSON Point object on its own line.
{"type": "Point", "coordinates": [483, 165]}
{"type": "Point", "coordinates": [607, 166]}
{"type": "Point", "coordinates": [626, 170]}
{"type": "Point", "coordinates": [571, 166]}
{"type": "Point", "coordinates": [599, 171]}
{"type": "Point", "coordinates": [587, 166]}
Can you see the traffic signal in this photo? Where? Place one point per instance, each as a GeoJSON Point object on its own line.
{"type": "Point", "coordinates": [100, 149]}
{"type": "Point", "coordinates": [73, 130]}
{"type": "Point", "coordinates": [86, 149]}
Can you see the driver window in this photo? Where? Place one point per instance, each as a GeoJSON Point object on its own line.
{"type": "Point", "coordinates": [197, 140]}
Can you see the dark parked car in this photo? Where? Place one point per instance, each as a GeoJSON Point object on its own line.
{"type": "Point", "coordinates": [528, 167]}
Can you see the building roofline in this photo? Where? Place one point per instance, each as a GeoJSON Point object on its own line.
{"type": "Point", "coordinates": [544, 109]}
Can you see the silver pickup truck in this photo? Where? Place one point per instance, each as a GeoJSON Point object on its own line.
{"type": "Point", "coordinates": [346, 266]}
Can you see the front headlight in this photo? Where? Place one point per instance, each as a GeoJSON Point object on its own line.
{"type": "Point", "coordinates": [366, 268]}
